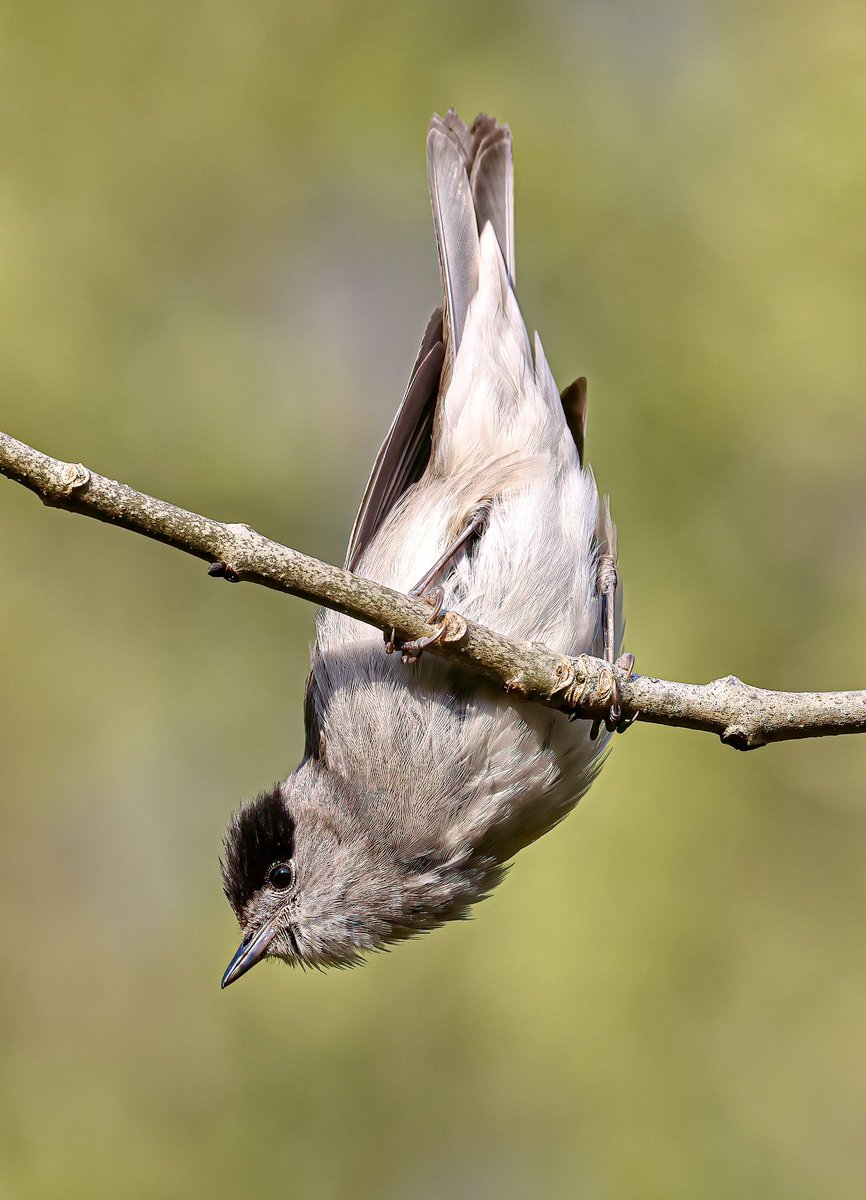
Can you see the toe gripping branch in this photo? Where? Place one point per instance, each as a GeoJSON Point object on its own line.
{"type": "Point", "coordinates": [451, 627]}
{"type": "Point", "coordinates": [606, 584]}
{"type": "Point", "coordinates": [412, 651]}
{"type": "Point", "coordinates": [583, 685]}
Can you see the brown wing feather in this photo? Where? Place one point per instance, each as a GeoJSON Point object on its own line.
{"type": "Point", "coordinates": [404, 454]}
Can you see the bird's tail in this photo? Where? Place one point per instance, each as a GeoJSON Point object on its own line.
{"type": "Point", "coordinates": [471, 177]}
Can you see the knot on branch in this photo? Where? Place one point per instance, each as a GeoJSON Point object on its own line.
{"type": "Point", "coordinates": [454, 627]}
{"type": "Point", "coordinates": [744, 729]}
{"type": "Point", "coordinates": [221, 570]}
{"type": "Point", "coordinates": [740, 737]}
{"type": "Point", "coordinates": [237, 553]}
{"type": "Point", "coordinates": [72, 477]}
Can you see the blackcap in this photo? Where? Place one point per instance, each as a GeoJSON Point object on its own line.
{"type": "Point", "coordinates": [421, 781]}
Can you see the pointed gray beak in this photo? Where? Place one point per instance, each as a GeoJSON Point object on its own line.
{"type": "Point", "coordinates": [249, 953]}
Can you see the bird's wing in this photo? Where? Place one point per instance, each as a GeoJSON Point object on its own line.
{"type": "Point", "coordinates": [404, 454]}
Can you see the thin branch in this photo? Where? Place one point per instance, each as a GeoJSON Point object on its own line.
{"type": "Point", "coordinates": [743, 717]}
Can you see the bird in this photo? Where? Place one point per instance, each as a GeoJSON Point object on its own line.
{"type": "Point", "coordinates": [420, 782]}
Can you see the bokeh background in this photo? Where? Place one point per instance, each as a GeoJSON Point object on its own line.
{"type": "Point", "coordinates": [216, 261]}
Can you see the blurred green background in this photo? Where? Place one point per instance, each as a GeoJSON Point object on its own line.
{"type": "Point", "coordinates": [217, 260]}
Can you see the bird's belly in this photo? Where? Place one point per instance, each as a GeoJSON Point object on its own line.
{"type": "Point", "coordinates": [450, 751]}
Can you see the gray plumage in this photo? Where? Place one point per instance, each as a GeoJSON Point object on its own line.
{"type": "Point", "coordinates": [421, 782]}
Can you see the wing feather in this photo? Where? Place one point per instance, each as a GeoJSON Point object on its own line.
{"type": "Point", "coordinates": [406, 449]}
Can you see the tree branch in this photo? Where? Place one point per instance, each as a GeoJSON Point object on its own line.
{"type": "Point", "coordinates": [744, 717]}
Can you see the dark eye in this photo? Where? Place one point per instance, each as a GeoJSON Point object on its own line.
{"type": "Point", "coordinates": [281, 876]}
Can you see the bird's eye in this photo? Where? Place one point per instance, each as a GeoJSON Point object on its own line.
{"type": "Point", "coordinates": [281, 876]}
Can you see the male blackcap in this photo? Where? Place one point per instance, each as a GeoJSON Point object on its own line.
{"type": "Point", "coordinates": [421, 781]}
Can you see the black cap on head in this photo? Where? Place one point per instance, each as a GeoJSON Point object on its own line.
{"type": "Point", "coordinates": [259, 835]}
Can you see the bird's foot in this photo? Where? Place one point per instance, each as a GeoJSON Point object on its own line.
{"type": "Point", "coordinates": [613, 719]}
{"type": "Point", "coordinates": [451, 627]}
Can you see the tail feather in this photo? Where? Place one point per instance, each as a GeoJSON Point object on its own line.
{"type": "Point", "coordinates": [471, 177]}
{"type": "Point", "coordinates": [456, 227]}
{"type": "Point", "coordinates": [492, 181]}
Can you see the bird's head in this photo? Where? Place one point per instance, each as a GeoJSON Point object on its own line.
{"type": "Point", "coordinates": [312, 882]}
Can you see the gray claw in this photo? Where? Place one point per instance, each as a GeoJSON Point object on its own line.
{"type": "Point", "coordinates": [412, 651]}
{"type": "Point", "coordinates": [613, 721]}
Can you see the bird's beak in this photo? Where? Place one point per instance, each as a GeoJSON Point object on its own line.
{"type": "Point", "coordinates": [249, 953]}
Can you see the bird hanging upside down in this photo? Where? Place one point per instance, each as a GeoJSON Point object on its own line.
{"type": "Point", "coordinates": [421, 781]}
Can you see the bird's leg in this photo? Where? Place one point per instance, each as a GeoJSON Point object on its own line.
{"type": "Point", "coordinates": [430, 590]}
{"type": "Point", "coordinates": [436, 572]}
{"type": "Point", "coordinates": [606, 581]}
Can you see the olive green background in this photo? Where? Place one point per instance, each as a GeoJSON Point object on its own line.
{"type": "Point", "coordinates": [216, 261]}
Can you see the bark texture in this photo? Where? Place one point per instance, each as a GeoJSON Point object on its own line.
{"type": "Point", "coordinates": [744, 717]}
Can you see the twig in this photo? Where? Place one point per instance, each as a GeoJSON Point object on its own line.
{"type": "Point", "coordinates": [744, 717]}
